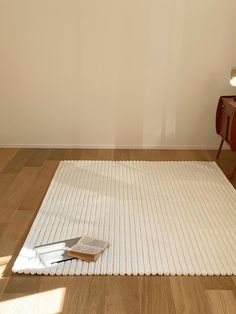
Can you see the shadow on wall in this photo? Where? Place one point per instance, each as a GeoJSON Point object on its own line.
{"type": "Point", "coordinates": [147, 99]}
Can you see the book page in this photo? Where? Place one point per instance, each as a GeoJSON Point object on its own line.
{"type": "Point", "coordinates": [87, 245]}
{"type": "Point", "coordinates": [93, 242]}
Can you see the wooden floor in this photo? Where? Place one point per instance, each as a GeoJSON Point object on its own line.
{"type": "Point", "coordinates": [25, 175]}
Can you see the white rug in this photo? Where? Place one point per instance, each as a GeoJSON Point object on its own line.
{"type": "Point", "coordinates": [176, 218]}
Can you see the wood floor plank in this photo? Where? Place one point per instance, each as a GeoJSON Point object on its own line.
{"type": "Point", "coordinates": [74, 301]}
{"type": "Point", "coordinates": [89, 154]}
{"type": "Point", "coordinates": [37, 159]}
{"type": "Point", "coordinates": [23, 284]}
{"type": "Point", "coordinates": [105, 154]}
{"type": "Point", "coordinates": [3, 227]}
{"type": "Point", "coordinates": [121, 154]}
{"type": "Point", "coordinates": [14, 236]}
{"type": "Point", "coordinates": [95, 301]}
{"type": "Point", "coordinates": [16, 227]}
{"type": "Point", "coordinates": [168, 154]}
{"type": "Point", "coordinates": [234, 280]}
{"type": "Point", "coordinates": [57, 154]}
{"type": "Point", "coordinates": [97, 154]}
{"type": "Point", "coordinates": [72, 154]}
{"type": "Point", "coordinates": [6, 154]}
{"type": "Point", "coordinates": [217, 282]}
{"type": "Point", "coordinates": [12, 197]}
{"type": "Point", "coordinates": [151, 154]}
{"type": "Point", "coordinates": [3, 282]}
{"type": "Point", "coordinates": [123, 294]}
{"type": "Point", "coordinates": [90, 300]}
{"type": "Point", "coordinates": [209, 156]}
{"type": "Point", "coordinates": [191, 155]}
{"type": "Point", "coordinates": [4, 262]}
{"type": "Point", "coordinates": [5, 180]}
{"type": "Point", "coordinates": [221, 301]}
{"type": "Point", "coordinates": [189, 295]}
{"type": "Point", "coordinates": [137, 154]}
{"type": "Point", "coordinates": [38, 189]}
{"type": "Point", "coordinates": [157, 295]}
{"type": "Point", "coordinates": [19, 160]}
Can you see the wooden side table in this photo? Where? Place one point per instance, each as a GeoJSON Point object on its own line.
{"type": "Point", "coordinates": [226, 124]}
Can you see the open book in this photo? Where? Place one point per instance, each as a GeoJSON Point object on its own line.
{"type": "Point", "coordinates": [87, 249]}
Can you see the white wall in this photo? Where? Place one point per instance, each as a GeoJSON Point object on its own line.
{"type": "Point", "coordinates": [136, 73]}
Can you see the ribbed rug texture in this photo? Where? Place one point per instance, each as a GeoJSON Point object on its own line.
{"type": "Point", "coordinates": [171, 218]}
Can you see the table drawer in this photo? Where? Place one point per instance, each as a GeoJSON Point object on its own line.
{"type": "Point", "coordinates": [226, 120]}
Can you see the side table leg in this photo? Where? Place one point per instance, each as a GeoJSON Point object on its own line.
{"type": "Point", "coordinates": [221, 144]}
{"type": "Point", "coordinates": [233, 172]}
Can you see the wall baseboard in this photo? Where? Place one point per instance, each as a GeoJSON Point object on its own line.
{"type": "Point", "coordinates": [68, 146]}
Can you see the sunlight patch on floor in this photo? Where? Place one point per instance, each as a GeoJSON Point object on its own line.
{"type": "Point", "coordinates": [4, 260]}
{"type": "Point", "coordinates": [47, 302]}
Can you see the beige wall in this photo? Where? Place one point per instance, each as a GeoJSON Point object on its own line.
{"type": "Point", "coordinates": [114, 72]}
